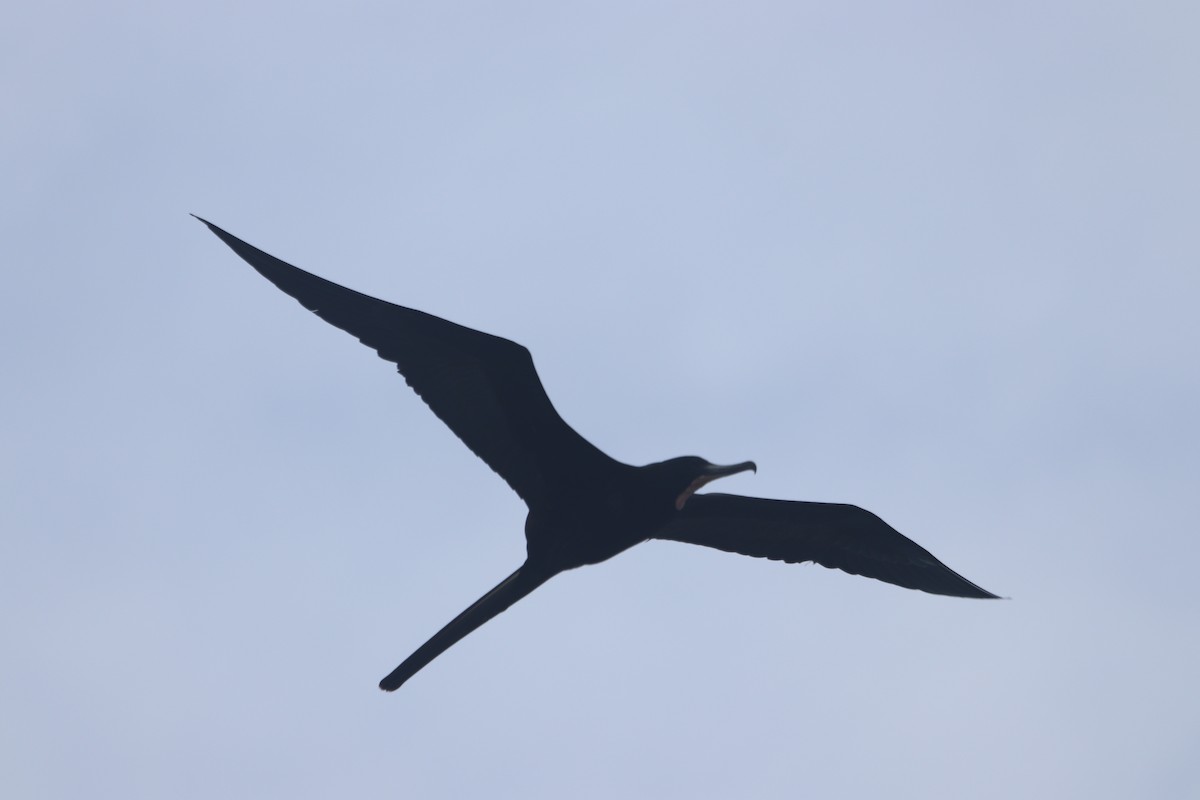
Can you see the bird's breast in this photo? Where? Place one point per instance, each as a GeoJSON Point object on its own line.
{"type": "Point", "coordinates": [588, 532]}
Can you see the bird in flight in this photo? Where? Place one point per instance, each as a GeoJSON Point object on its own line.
{"type": "Point", "coordinates": [585, 506]}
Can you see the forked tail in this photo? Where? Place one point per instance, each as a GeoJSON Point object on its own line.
{"type": "Point", "coordinates": [507, 592]}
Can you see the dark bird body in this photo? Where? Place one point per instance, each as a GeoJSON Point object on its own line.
{"type": "Point", "coordinates": [584, 506]}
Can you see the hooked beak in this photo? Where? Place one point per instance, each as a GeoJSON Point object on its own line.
{"type": "Point", "coordinates": [710, 474]}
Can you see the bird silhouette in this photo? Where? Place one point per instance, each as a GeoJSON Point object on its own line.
{"type": "Point", "coordinates": [584, 506]}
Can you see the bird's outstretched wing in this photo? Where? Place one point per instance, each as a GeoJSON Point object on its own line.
{"type": "Point", "coordinates": [834, 535]}
{"type": "Point", "coordinates": [483, 387]}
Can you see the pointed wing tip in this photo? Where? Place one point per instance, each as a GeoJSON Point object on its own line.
{"type": "Point", "coordinates": [265, 263]}
{"type": "Point", "coordinates": [217, 230]}
{"type": "Point", "coordinates": [977, 591]}
{"type": "Point", "coordinates": [973, 592]}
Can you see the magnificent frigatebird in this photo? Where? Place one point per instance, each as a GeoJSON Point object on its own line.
{"type": "Point", "coordinates": [584, 506]}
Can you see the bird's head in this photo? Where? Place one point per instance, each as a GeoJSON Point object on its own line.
{"type": "Point", "coordinates": [684, 475]}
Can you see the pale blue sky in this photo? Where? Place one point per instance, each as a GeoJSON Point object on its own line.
{"type": "Point", "coordinates": [938, 260]}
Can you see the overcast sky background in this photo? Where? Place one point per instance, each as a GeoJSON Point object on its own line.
{"type": "Point", "coordinates": [936, 259]}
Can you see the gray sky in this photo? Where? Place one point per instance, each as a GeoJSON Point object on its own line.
{"type": "Point", "coordinates": [937, 260]}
